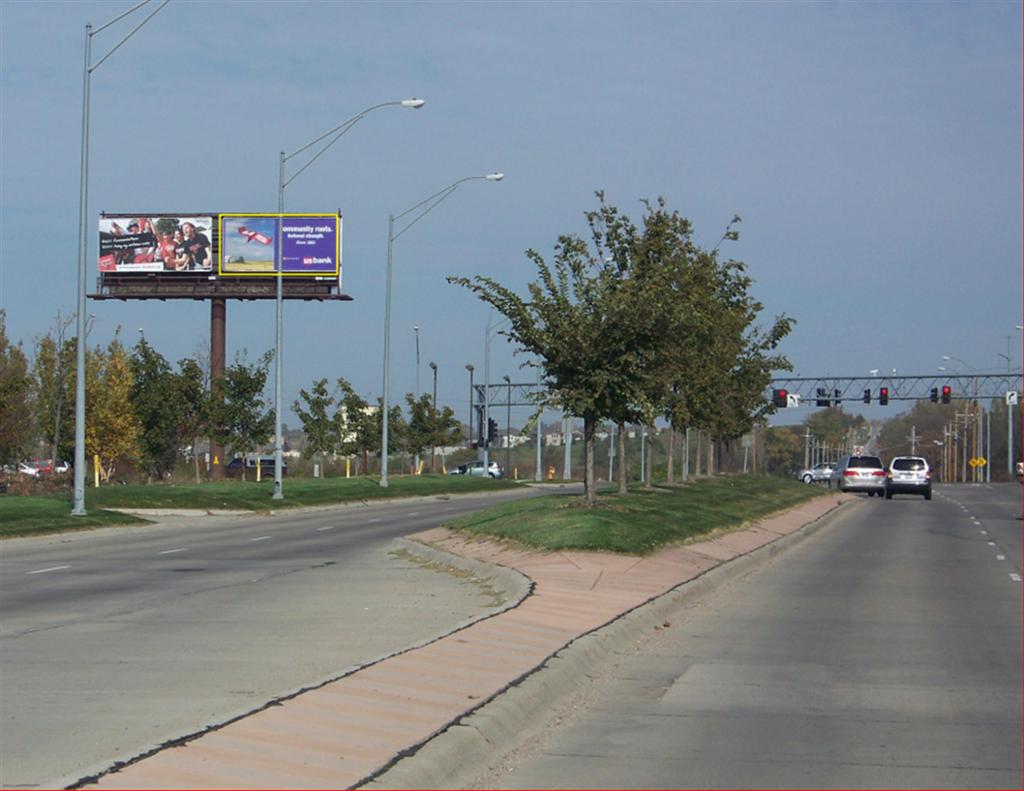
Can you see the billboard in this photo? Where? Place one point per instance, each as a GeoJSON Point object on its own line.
{"type": "Point", "coordinates": [309, 245]}
{"type": "Point", "coordinates": [156, 243]}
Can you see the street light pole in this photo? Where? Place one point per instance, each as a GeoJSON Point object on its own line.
{"type": "Point", "coordinates": [334, 134]}
{"type": "Point", "coordinates": [433, 413]}
{"type": "Point", "coordinates": [470, 368]}
{"type": "Point", "coordinates": [416, 330]}
{"type": "Point", "coordinates": [78, 507]}
{"type": "Point", "coordinates": [422, 208]}
{"type": "Point", "coordinates": [508, 429]}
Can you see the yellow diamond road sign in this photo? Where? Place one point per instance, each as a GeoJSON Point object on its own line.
{"type": "Point", "coordinates": [978, 461]}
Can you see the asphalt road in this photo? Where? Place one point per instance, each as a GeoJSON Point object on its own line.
{"type": "Point", "coordinates": [885, 651]}
{"type": "Point", "coordinates": [115, 641]}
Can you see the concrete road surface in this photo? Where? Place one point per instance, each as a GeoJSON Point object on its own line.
{"type": "Point", "coordinates": [115, 641]}
{"type": "Point", "coordinates": [883, 652]}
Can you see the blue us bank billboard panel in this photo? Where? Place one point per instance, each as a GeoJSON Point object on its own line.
{"type": "Point", "coordinates": [296, 245]}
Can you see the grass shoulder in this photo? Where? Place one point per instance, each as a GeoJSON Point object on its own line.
{"type": "Point", "coordinates": [642, 520]}
{"type": "Point", "coordinates": [40, 514]}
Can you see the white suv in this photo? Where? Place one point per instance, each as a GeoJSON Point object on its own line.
{"type": "Point", "coordinates": [908, 475]}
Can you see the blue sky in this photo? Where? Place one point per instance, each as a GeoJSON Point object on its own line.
{"type": "Point", "coordinates": [873, 151]}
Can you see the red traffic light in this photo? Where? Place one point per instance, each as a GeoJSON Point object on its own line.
{"type": "Point", "coordinates": [883, 395]}
{"type": "Point", "coordinates": [780, 397]}
{"type": "Point", "coordinates": [947, 394]}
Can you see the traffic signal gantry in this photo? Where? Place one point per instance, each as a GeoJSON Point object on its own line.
{"type": "Point", "coordinates": [833, 391]}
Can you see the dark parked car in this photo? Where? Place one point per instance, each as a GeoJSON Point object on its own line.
{"type": "Point", "coordinates": [234, 467]}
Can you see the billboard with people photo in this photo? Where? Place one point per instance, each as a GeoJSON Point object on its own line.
{"type": "Point", "coordinates": [167, 244]}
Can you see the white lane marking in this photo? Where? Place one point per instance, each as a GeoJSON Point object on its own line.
{"type": "Point", "coordinates": [374, 520]}
{"type": "Point", "coordinates": [991, 543]}
{"type": "Point", "coordinates": [414, 513]}
{"type": "Point", "coordinates": [1015, 577]}
{"type": "Point", "coordinates": [983, 532]}
{"type": "Point", "coordinates": [172, 551]}
{"type": "Point", "coordinates": [261, 538]}
{"type": "Point", "coordinates": [322, 529]}
{"type": "Point", "coordinates": [44, 571]}
{"type": "Point", "coordinates": [1000, 557]}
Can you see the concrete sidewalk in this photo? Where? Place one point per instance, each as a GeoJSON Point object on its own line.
{"type": "Point", "coordinates": [351, 730]}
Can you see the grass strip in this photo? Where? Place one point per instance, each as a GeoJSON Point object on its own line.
{"type": "Point", "coordinates": [641, 521]}
{"type": "Point", "coordinates": [40, 514]}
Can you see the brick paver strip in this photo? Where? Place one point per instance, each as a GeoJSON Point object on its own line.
{"type": "Point", "coordinates": [340, 734]}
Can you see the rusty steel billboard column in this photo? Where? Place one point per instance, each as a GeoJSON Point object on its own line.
{"type": "Point", "coordinates": [218, 344]}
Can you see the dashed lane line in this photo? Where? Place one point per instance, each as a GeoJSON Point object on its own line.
{"type": "Point", "coordinates": [261, 538]}
{"type": "Point", "coordinates": [174, 551]}
{"type": "Point", "coordinates": [47, 570]}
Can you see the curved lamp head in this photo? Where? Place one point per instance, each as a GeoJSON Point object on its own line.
{"type": "Point", "coordinates": [470, 368]}
{"type": "Point", "coordinates": [494, 176]}
{"type": "Point", "coordinates": [433, 365]}
{"type": "Point", "coordinates": [507, 380]}
{"type": "Point", "coordinates": [414, 103]}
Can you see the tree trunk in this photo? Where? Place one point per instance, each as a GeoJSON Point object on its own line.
{"type": "Point", "coordinates": [670, 472]}
{"type": "Point", "coordinates": [589, 429]}
{"type": "Point", "coordinates": [711, 456]}
{"type": "Point", "coordinates": [195, 455]}
{"type": "Point", "coordinates": [696, 456]}
{"type": "Point", "coordinates": [621, 452]}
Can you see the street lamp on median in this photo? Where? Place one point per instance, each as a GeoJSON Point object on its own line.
{"type": "Point", "coordinates": [470, 368]}
{"type": "Point", "coordinates": [508, 428]}
{"type": "Point", "coordinates": [78, 508]}
{"type": "Point", "coordinates": [433, 412]}
{"type": "Point", "coordinates": [331, 137]}
{"type": "Point", "coordinates": [421, 209]}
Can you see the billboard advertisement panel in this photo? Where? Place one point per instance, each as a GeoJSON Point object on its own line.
{"type": "Point", "coordinates": [309, 245]}
{"type": "Point", "coordinates": [155, 243]}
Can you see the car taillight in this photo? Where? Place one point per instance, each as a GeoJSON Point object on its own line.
{"type": "Point", "coordinates": [849, 473]}
{"type": "Point", "coordinates": [878, 473]}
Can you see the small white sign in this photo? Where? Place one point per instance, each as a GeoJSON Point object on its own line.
{"type": "Point", "coordinates": [792, 400]}
{"type": "Point", "coordinates": [1011, 398]}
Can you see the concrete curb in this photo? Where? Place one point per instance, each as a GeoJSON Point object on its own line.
{"type": "Point", "coordinates": [456, 756]}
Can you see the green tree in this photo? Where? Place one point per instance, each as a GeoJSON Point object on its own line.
{"type": "Point", "coordinates": [357, 429]}
{"type": "Point", "coordinates": [111, 428]}
{"type": "Point", "coordinates": [53, 384]}
{"type": "Point", "coordinates": [318, 425]}
{"type": "Point", "coordinates": [194, 402]}
{"type": "Point", "coordinates": [242, 418]}
{"type": "Point", "coordinates": [419, 431]}
{"type": "Point", "coordinates": [16, 425]}
{"type": "Point", "coordinates": [156, 399]}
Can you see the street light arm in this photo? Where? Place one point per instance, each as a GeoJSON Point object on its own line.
{"type": "Point", "coordinates": [132, 33]}
{"type": "Point", "coordinates": [340, 130]}
{"type": "Point", "coordinates": [437, 197]}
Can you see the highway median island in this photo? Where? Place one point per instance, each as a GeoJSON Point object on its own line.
{"type": "Point", "coordinates": [46, 514]}
{"type": "Point", "coordinates": [641, 521]}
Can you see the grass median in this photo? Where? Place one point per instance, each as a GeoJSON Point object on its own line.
{"type": "Point", "coordinates": [40, 514]}
{"type": "Point", "coordinates": [641, 521]}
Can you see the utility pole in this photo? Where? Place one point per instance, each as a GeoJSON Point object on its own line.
{"type": "Point", "coordinates": [913, 440]}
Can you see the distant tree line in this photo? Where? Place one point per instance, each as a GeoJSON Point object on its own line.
{"type": "Point", "coordinates": [146, 415]}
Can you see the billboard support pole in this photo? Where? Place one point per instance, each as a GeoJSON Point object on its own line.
{"type": "Point", "coordinates": [218, 345]}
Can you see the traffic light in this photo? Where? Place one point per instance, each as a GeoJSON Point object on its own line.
{"type": "Point", "coordinates": [883, 395]}
{"type": "Point", "coordinates": [822, 397]}
{"type": "Point", "coordinates": [947, 394]}
{"type": "Point", "coordinates": [780, 397]}
{"type": "Point", "coordinates": [935, 395]}
{"type": "Point", "coordinates": [867, 396]}
{"type": "Point", "coordinates": [492, 430]}
{"type": "Point", "coordinates": [837, 397]}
